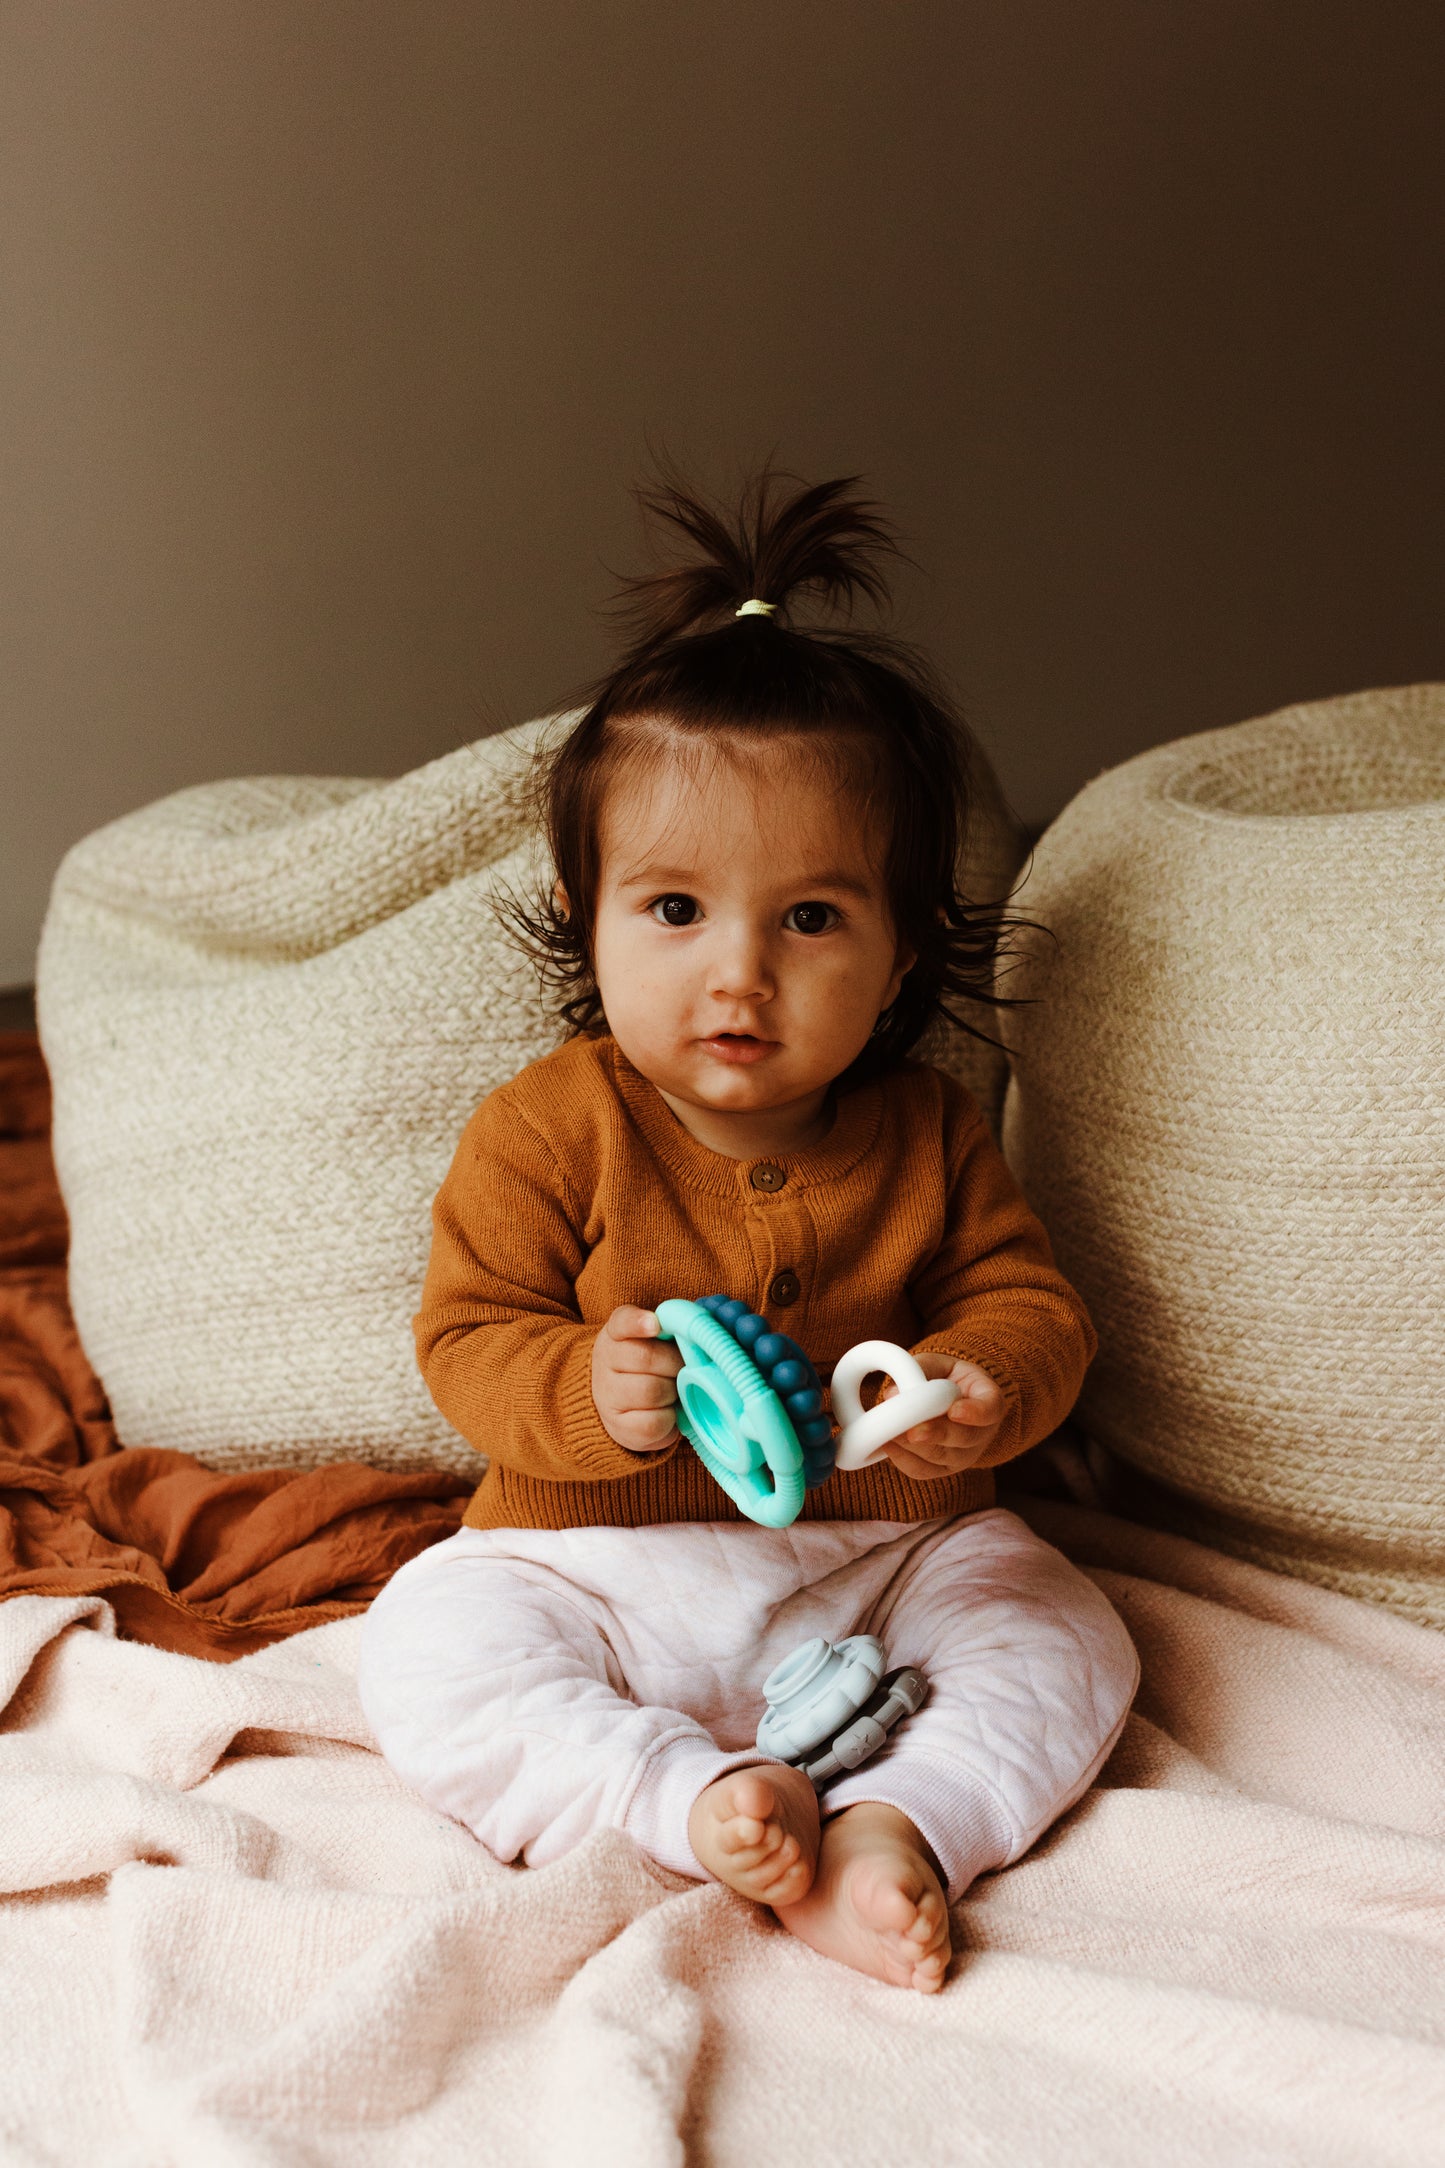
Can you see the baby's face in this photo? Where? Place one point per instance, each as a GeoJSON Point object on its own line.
{"type": "Point", "coordinates": [743, 942]}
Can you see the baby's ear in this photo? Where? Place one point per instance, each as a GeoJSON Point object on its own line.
{"type": "Point", "coordinates": [903, 961]}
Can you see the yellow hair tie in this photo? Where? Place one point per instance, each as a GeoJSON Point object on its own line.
{"type": "Point", "coordinates": [756, 609]}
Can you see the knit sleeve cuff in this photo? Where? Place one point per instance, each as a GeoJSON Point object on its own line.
{"type": "Point", "coordinates": [598, 1457]}
{"type": "Point", "coordinates": [1009, 1439]}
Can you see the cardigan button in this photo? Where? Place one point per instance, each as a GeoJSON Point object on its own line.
{"type": "Point", "coordinates": [767, 1176]}
{"type": "Point", "coordinates": [785, 1290]}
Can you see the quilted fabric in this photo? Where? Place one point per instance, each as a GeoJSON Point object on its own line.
{"type": "Point", "coordinates": [542, 1684]}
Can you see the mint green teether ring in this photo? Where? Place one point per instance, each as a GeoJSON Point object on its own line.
{"type": "Point", "coordinates": [732, 1418]}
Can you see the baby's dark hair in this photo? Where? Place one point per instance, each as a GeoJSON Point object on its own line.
{"type": "Point", "coordinates": [694, 670]}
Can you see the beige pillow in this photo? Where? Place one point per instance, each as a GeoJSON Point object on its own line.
{"type": "Point", "coordinates": [1229, 1107]}
{"type": "Point", "coordinates": [269, 1007]}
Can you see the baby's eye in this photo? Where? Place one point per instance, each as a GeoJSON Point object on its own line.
{"type": "Point", "coordinates": [674, 910]}
{"type": "Point", "coordinates": [811, 918]}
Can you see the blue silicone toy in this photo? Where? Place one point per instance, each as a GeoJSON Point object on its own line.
{"type": "Point", "coordinates": [750, 1406]}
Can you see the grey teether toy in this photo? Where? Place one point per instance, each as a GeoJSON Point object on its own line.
{"type": "Point", "coordinates": [830, 1708]}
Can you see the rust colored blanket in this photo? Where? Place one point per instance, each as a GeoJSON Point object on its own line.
{"type": "Point", "coordinates": [206, 1564]}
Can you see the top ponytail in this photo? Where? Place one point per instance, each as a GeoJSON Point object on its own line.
{"type": "Point", "coordinates": [823, 540]}
{"type": "Point", "coordinates": [692, 668]}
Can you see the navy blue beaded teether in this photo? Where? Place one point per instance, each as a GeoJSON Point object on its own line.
{"type": "Point", "coordinates": [750, 1405]}
{"type": "Point", "coordinates": [789, 1374]}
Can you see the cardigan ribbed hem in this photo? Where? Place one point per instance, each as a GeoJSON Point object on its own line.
{"type": "Point", "coordinates": [680, 1489]}
{"type": "Point", "coordinates": [599, 1458]}
{"type": "Point", "coordinates": [959, 1349]}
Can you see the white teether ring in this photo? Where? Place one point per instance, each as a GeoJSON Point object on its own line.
{"type": "Point", "coordinates": [863, 1432]}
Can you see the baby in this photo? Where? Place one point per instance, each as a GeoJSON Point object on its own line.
{"type": "Point", "coordinates": [755, 920]}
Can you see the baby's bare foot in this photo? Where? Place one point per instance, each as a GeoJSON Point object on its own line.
{"type": "Point", "coordinates": [876, 1902]}
{"type": "Point", "coordinates": [757, 1830]}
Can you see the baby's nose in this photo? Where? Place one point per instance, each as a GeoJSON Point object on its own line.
{"type": "Point", "coordinates": [741, 969]}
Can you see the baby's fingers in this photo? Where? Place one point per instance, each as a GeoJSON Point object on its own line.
{"type": "Point", "coordinates": [642, 1390]}
{"type": "Point", "coordinates": [629, 1322]}
{"type": "Point", "coordinates": [645, 1431]}
{"type": "Point", "coordinates": [630, 1343]}
{"type": "Point", "coordinates": [934, 1438]}
{"type": "Point", "coordinates": [643, 1358]}
{"type": "Point", "coordinates": [930, 1450]}
{"type": "Point", "coordinates": [979, 1403]}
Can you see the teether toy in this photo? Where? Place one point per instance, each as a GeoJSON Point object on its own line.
{"type": "Point", "coordinates": [863, 1432]}
{"type": "Point", "coordinates": [749, 1405]}
{"type": "Point", "coordinates": [830, 1707]}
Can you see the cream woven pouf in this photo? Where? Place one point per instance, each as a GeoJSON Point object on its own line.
{"type": "Point", "coordinates": [269, 1008]}
{"type": "Point", "coordinates": [1228, 1105]}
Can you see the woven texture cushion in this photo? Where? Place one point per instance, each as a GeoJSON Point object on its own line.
{"type": "Point", "coordinates": [1229, 1108]}
{"type": "Point", "coordinates": [269, 1007]}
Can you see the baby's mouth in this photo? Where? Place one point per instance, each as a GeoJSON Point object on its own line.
{"type": "Point", "coordinates": [739, 1046]}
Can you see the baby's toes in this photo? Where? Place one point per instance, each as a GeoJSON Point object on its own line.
{"type": "Point", "coordinates": [930, 1921]}
{"type": "Point", "coordinates": [751, 1797]}
{"type": "Point", "coordinates": [758, 1858]}
{"type": "Point", "coordinates": [777, 1858]}
{"type": "Point", "coordinates": [931, 1944]}
{"type": "Point", "coordinates": [928, 1972]}
{"type": "Point", "coordinates": [885, 1903]}
{"type": "Point", "coordinates": [742, 1833]}
{"type": "Point", "coordinates": [784, 1884]}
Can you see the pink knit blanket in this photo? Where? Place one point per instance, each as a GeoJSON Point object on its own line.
{"type": "Point", "coordinates": [234, 1938]}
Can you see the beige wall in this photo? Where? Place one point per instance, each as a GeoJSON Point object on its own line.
{"type": "Point", "coordinates": [332, 335]}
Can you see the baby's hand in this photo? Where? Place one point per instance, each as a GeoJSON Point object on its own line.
{"type": "Point", "coordinates": [632, 1374]}
{"type": "Point", "coordinates": [956, 1440]}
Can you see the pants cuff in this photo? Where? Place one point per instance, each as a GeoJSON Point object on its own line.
{"type": "Point", "coordinates": [656, 1814]}
{"type": "Point", "coordinates": [959, 1819]}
